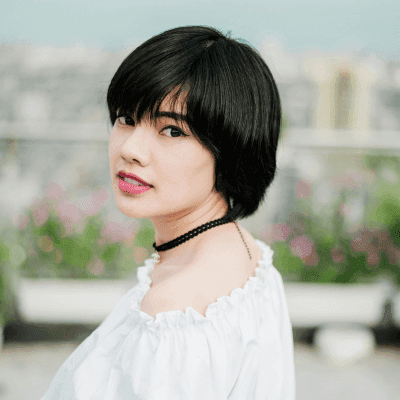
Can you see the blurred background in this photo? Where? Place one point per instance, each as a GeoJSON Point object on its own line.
{"type": "Point", "coordinates": [332, 215]}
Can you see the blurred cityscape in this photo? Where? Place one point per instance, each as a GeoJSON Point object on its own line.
{"type": "Point", "coordinates": [338, 165]}
{"type": "Point", "coordinates": [54, 124]}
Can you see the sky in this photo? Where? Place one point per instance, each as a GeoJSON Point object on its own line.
{"type": "Point", "coordinates": [299, 26]}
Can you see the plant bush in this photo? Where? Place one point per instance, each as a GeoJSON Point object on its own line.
{"type": "Point", "coordinates": [3, 286]}
{"type": "Point", "coordinates": [9, 261]}
{"type": "Point", "coordinates": [323, 246]}
{"type": "Point", "coordinates": [65, 238]}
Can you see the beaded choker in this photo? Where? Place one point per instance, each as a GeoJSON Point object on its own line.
{"type": "Point", "coordinates": [194, 232]}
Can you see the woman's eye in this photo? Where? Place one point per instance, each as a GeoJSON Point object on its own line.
{"type": "Point", "coordinates": [174, 131]}
{"type": "Point", "coordinates": [124, 120]}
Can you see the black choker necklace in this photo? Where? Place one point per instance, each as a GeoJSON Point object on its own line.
{"type": "Point", "coordinates": [194, 232]}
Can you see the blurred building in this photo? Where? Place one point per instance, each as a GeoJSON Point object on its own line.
{"type": "Point", "coordinates": [54, 122]}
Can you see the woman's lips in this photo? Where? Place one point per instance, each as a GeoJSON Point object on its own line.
{"type": "Point", "coordinates": [124, 174]}
{"type": "Point", "coordinates": [131, 188]}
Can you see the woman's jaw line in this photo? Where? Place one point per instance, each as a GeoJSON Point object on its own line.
{"type": "Point", "coordinates": [170, 227]}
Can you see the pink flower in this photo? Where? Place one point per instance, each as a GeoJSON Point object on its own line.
{"type": "Point", "coordinates": [21, 221]}
{"type": "Point", "coordinates": [40, 212]}
{"type": "Point", "coordinates": [275, 233]}
{"type": "Point", "coordinates": [373, 257]}
{"type": "Point", "coordinates": [384, 240]}
{"type": "Point", "coordinates": [313, 258]}
{"type": "Point", "coordinates": [68, 212]}
{"type": "Point", "coordinates": [302, 246]}
{"type": "Point", "coordinates": [362, 241]}
{"type": "Point", "coordinates": [96, 266]}
{"type": "Point", "coordinates": [303, 189]}
{"type": "Point", "coordinates": [118, 231]}
{"type": "Point", "coordinates": [280, 232]}
{"type": "Point", "coordinates": [101, 195]}
{"type": "Point", "coordinates": [94, 203]}
{"type": "Point", "coordinates": [266, 234]}
{"type": "Point", "coordinates": [393, 255]}
{"type": "Point", "coordinates": [337, 255]}
{"type": "Point", "coordinates": [54, 191]}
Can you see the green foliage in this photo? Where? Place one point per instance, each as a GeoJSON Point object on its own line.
{"type": "Point", "coordinates": [10, 257]}
{"type": "Point", "coordinates": [111, 252]}
{"type": "Point", "coordinates": [288, 264]}
{"type": "Point", "coordinates": [56, 248]}
{"type": "Point", "coordinates": [145, 237]}
{"type": "Point", "coordinates": [366, 253]}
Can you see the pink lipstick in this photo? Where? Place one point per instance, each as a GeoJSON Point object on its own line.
{"type": "Point", "coordinates": [131, 188]}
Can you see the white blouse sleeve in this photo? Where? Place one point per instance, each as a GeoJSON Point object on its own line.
{"type": "Point", "coordinates": [170, 365]}
{"type": "Point", "coordinates": [286, 335]}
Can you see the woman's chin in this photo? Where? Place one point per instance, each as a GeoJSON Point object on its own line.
{"type": "Point", "coordinates": [134, 213]}
{"type": "Point", "coordinates": [132, 210]}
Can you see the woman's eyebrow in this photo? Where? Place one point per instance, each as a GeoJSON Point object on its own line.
{"type": "Point", "coordinates": [173, 115]}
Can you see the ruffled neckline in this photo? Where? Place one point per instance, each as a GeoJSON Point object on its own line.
{"type": "Point", "coordinates": [223, 305]}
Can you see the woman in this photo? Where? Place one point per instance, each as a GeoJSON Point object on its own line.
{"type": "Point", "coordinates": [196, 119]}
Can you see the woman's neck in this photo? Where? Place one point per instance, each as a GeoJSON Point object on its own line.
{"type": "Point", "coordinates": [168, 228]}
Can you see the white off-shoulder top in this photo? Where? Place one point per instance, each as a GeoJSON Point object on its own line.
{"type": "Point", "coordinates": [241, 350]}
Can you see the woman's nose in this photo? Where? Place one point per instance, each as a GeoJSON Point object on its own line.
{"type": "Point", "coordinates": [137, 146]}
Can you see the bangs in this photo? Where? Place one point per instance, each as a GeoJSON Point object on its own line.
{"type": "Point", "coordinates": [143, 98]}
{"type": "Point", "coordinates": [202, 81]}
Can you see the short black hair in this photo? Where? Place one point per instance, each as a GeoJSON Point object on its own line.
{"type": "Point", "coordinates": [232, 104]}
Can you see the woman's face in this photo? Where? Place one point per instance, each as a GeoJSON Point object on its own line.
{"type": "Point", "coordinates": [166, 155]}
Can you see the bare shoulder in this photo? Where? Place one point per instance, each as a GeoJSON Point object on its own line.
{"type": "Point", "coordinates": [175, 294]}
{"type": "Point", "coordinates": [215, 275]}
